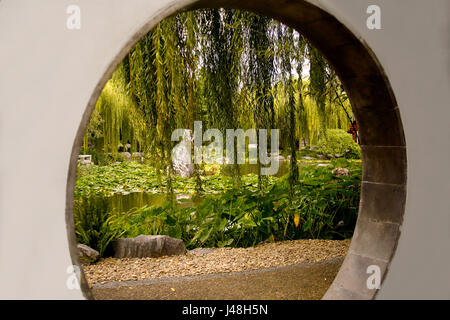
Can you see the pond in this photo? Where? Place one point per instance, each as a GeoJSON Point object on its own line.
{"type": "Point", "coordinates": [123, 202]}
{"type": "Point", "coordinates": [253, 169]}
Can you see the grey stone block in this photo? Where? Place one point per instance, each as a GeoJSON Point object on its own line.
{"type": "Point", "coordinates": [336, 293]}
{"type": "Point", "coordinates": [87, 254]}
{"type": "Point", "coordinates": [378, 126]}
{"type": "Point", "coordinates": [374, 239]}
{"type": "Point", "coordinates": [383, 202]}
{"type": "Point", "coordinates": [148, 246]}
{"type": "Point", "coordinates": [351, 281]}
{"type": "Point", "coordinates": [384, 164]}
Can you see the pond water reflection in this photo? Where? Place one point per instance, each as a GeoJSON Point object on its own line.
{"type": "Point", "coordinates": [123, 202]}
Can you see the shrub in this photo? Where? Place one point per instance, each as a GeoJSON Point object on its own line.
{"type": "Point", "coordinates": [153, 220]}
{"type": "Point", "coordinates": [247, 217]}
{"type": "Point", "coordinates": [92, 227]}
{"type": "Point", "coordinates": [339, 142]}
{"type": "Point", "coordinates": [319, 202]}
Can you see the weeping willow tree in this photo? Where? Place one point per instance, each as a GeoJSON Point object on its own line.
{"type": "Point", "coordinates": [302, 128]}
{"type": "Point", "coordinates": [259, 77]}
{"type": "Point", "coordinates": [222, 42]}
{"type": "Point", "coordinates": [116, 119]}
{"type": "Point", "coordinates": [141, 84]}
{"type": "Point", "coordinates": [318, 85]}
{"type": "Point", "coordinates": [228, 68]}
{"type": "Point", "coordinates": [191, 67]}
{"type": "Point", "coordinates": [287, 54]}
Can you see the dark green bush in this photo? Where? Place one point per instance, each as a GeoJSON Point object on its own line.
{"type": "Point", "coordinates": [339, 142]}
{"type": "Point", "coordinates": [319, 202]}
{"type": "Point", "coordinates": [245, 218]}
{"type": "Point", "coordinates": [92, 223]}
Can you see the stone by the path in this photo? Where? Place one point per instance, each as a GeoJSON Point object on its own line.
{"type": "Point", "coordinates": [340, 224]}
{"type": "Point", "coordinates": [148, 246]}
{"type": "Point", "coordinates": [308, 158]}
{"type": "Point", "coordinates": [126, 155]}
{"type": "Point", "coordinates": [340, 172]}
{"type": "Point", "coordinates": [87, 254]}
{"type": "Point", "coordinates": [138, 156]}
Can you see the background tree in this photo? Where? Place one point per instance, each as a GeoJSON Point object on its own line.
{"type": "Point", "coordinates": [228, 68]}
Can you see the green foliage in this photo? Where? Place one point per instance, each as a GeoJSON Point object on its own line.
{"type": "Point", "coordinates": [131, 176]}
{"type": "Point", "coordinates": [92, 226]}
{"type": "Point", "coordinates": [115, 178]}
{"type": "Point", "coordinates": [339, 142]}
{"type": "Point", "coordinates": [103, 159]}
{"type": "Point", "coordinates": [118, 120]}
{"type": "Point", "coordinates": [152, 220]}
{"type": "Point", "coordinates": [239, 219]}
{"type": "Point", "coordinates": [229, 69]}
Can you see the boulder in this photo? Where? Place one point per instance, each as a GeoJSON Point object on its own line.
{"type": "Point", "coordinates": [148, 246]}
{"type": "Point", "coordinates": [340, 172]}
{"type": "Point", "coordinates": [321, 165]}
{"type": "Point", "coordinates": [183, 169]}
{"type": "Point", "coordinates": [138, 156]}
{"type": "Point", "coordinates": [126, 155]}
{"type": "Point", "coordinates": [87, 254]}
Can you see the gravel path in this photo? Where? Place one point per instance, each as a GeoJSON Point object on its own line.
{"type": "Point", "coordinates": [300, 282]}
{"type": "Point", "coordinates": [218, 261]}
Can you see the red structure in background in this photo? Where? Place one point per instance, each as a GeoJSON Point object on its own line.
{"type": "Point", "coordinates": [353, 130]}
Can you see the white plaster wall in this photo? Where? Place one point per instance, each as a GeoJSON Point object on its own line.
{"type": "Point", "coordinates": [48, 73]}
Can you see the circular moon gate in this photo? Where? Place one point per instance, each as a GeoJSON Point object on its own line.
{"type": "Point", "coordinates": [383, 189]}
